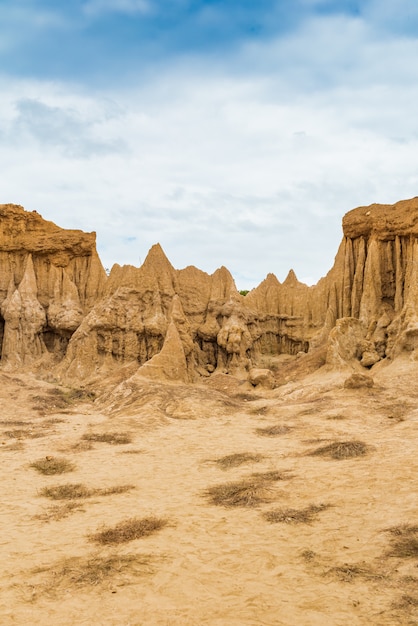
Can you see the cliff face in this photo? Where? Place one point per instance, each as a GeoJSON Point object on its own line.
{"type": "Point", "coordinates": [57, 302]}
{"type": "Point", "coordinates": [50, 279]}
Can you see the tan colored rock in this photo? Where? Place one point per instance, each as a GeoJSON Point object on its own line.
{"type": "Point", "coordinates": [358, 381]}
{"type": "Point", "coordinates": [56, 299]}
{"type": "Point", "coordinates": [170, 363]}
{"type": "Point", "coordinates": [261, 377]}
{"type": "Point", "coordinates": [24, 319]}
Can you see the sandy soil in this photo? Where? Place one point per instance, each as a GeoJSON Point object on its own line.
{"type": "Point", "coordinates": [210, 564]}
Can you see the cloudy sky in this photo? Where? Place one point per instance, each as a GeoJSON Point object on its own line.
{"type": "Point", "coordinates": [233, 132]}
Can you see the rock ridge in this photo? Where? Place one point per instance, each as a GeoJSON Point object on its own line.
{"type": "Point", "coordinates": [60, 311]}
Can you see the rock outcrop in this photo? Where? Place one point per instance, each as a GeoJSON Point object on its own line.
{"type": "Point", "coordinates": [58, 307]}
{"type": "Point", "coordinates": [50, 278]}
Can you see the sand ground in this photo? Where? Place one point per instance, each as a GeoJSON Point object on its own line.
{"type": "Point", "coordinates": [210, 565]}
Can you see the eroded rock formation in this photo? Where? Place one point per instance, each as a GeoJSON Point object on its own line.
{"type": "Point", "coordinates": [50, 278]}
{"type": "Point", "coordinates": [59, 307]}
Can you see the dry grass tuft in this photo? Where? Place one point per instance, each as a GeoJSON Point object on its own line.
{"type": "Point", "coordinates": [308, 555]}
{"type": "Point", "coordinates": [341, 450]}
{"type": "Point", "coordinates": [58, 399]}
{"type": "Point", "coordinates": [129, 530]}
{"type": "Point", "coordinates": [93, 571]}
{"type": "Point", "coordinates": [295, 516]}
{"type": "Point", "coordinates": [348, 572]}
{"type": "Point", "coordinates": [74, 491]}
{"type": "Point", "coordinates": [246, 493]}
{"type": "Point", "coordinates": [246, 397]}
{"type": "Point", "coordinates": [407, 602]}
{"type": "Point", "coordinates": [271, 476]}
{"type": "Point", "coordinates": [131, 451]}
{"type": "Point", "coordinates": [235, 460]}
{"type": "Point", "coordinates": [249, 492]}
{"type": "Point", "coordinates": [404, 541]}
{"type": "Point", "coordinates": [273, 431]}
{"type": "Point", "coordinates": [24, 433]}
{"type": "Point", "coordinates": [59, 512]}
{"type": "Point", "coordinates": [51, 465]}
{"type": "Point", "coordinates": [112, 438]}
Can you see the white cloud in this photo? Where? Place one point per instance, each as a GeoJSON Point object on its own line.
{"type": "Point", "coordinates": [223, 166]}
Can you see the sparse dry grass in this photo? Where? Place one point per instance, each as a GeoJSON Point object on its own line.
{"type": "Point", "coordinates": [404, 541]}
{"type": "Point", "coordinates": [235, 460]}
{"type": "Point", "coordinates": [131, 451]}
{"type": "Point", "coordinates": [407, 602]}
{"type": "Point", "coordinates": [258, 410]}
{"type": "Point", "coordinates": [246, 397]}
{"type": "Point", "coordinates": [129, 530]}
{"type": "Point", "coordinates": [308, 555]}
{"type": "Point", "coordinates": [80, 446]}
{"type": "Point", "coordinates": [91, 571]}
{"type": "Point", "coordinates": [74, 491]}
{"type": "Point", "coordinates": [51, 465]}
{"type": "Point", "coordinates": [112, 438]}
{"type": "Point", "coordinates": [271, 476]}
{"type": "Point", "coordinates": [59, 512]}
{"type": "Point", "coordinates": [24, 433]}
{"type": "Point", "coordinates": [246, 493]}
{"type": "Point", "coordinates": [60, 399]}
{"type": "Point", "coordinates": [249, 492]}
{"type": "Point", "coordinates": [341, 450]}
{"type": "Point", "coordinates": [306, 515]}
{"type": "Point", "coordinates": [348, 572]}
{"type": "Point", "coordinates": [274, 431]}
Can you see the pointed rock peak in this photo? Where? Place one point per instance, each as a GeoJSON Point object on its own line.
{"type": "Point", "coordinates": [224, 276]}
{"type": "Point", "coordinates": [28, 282]}
{"type": "Point", "coordinates": [170, 362]}
{"type": "Point", "coordinates": [291, 279]}
{"type": "Point", "coordinates": [157, 259]}
{"type": "Point", "coordinates": [272, 281]}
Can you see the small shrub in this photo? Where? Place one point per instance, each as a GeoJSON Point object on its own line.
{"type": "Point", "coordinates": [341, 450]}
{"type": "Point", "coordinates": [235, 460]}
{"type": "Point", "coordinates": [51, 465]}
{"type": "Point", "coordinates": [112, 438]}
{"type": "Point", "coordinates": [129, 530]}
{"type": "Point", "coordinates": [295, 516]}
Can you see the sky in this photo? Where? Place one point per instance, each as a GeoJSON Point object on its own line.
{"type": "Point", "coordinates": [232, 132]}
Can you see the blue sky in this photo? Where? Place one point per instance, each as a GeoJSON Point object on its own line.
{"type": "Point", "coordinates": [234, 133]}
